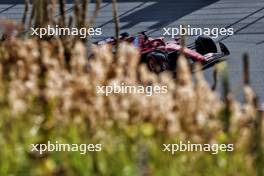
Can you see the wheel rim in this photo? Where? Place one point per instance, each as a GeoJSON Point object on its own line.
{"type": "Point", "coordinates": [152, 64]}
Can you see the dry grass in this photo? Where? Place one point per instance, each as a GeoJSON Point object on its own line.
{"type": "Point", "coordinates": [34, 75]}
{"type": "Point", "coordinates": [48, 92]}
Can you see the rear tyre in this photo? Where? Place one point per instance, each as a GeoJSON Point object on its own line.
{"type": "Point", "coordinates": [205, 45]}
{"type": "Point", "coordinates": [157, 62]}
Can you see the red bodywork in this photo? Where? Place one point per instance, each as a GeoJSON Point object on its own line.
{"type": "Point", "coordinates": [160, 44]}
{"type": "Point", "coordinates": [156, 52]}
{"type": "Point", "coordinates": [148, 44]}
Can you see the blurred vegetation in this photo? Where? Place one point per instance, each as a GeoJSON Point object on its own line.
{"type": "Point", "coordinates": [48, 93]}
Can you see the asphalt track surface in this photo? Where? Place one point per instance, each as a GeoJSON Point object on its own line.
{"type": "Point", "coordinates": [245, 16]}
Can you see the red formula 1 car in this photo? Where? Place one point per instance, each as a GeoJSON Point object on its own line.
{"type": "Point", "coordinates": [160, 55]}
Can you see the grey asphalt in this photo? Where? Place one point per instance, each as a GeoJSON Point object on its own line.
{"type": "Point", "coordinates": [246, 17]}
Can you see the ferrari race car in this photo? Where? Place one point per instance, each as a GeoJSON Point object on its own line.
{"type": "Point", "coordinates": [160, 55]}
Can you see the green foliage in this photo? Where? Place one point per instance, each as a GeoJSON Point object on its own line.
{"type": "Point", "coordinates": [123, 150]}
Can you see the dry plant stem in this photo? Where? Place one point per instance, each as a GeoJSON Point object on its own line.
{"type": "Point", "coordinates": [62, 12]}
{"type": "Point", "coordinates": [51, 10]}
{"type": "Point", "coordinates": [70, 22]}
{"type": "Point", "coordinates": [77, 19]}
{"type": "Point", "coordinates": [143, 164]}
{"type": "Point", "coordinates": [83, 13]}
{"type": "Point", "coordinates": [246, 69]}
{"type": "Point", "coordinates": [116, 20]}
{"type": "Point", "coordinates": [95, 166]}
{"type": "Point", "coordinates": [227, 100]}
{"type": "Point", "coordinates": [96, 11]}
{"type": "Point", "coordinates": [33, 12]}
{"type": "Point", "coordinates": [46, 12]}
{"type": "Point", "coordinates": [83, 23]}
{"type": "Point", "coordinates": [90, 22]}
{"type": "Point", "coordinates": [77, 13]}
{"type": "Point", "coordinates": [215, 73]}
{"type": "Point", "coordinates": [257, 144]}
{"type": "Point", "coordinates": [39, 13]}
{"type": "Point", "coordinates": [181, 53]}
{"type": "Point", "coordinates": [24, 19]}
{"type": "Point", "coordinates": [183, 41]}
{"type": "Point", "coordinates": [42, 75]}
{"type": "Point", "coordinates": [226, 86]}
